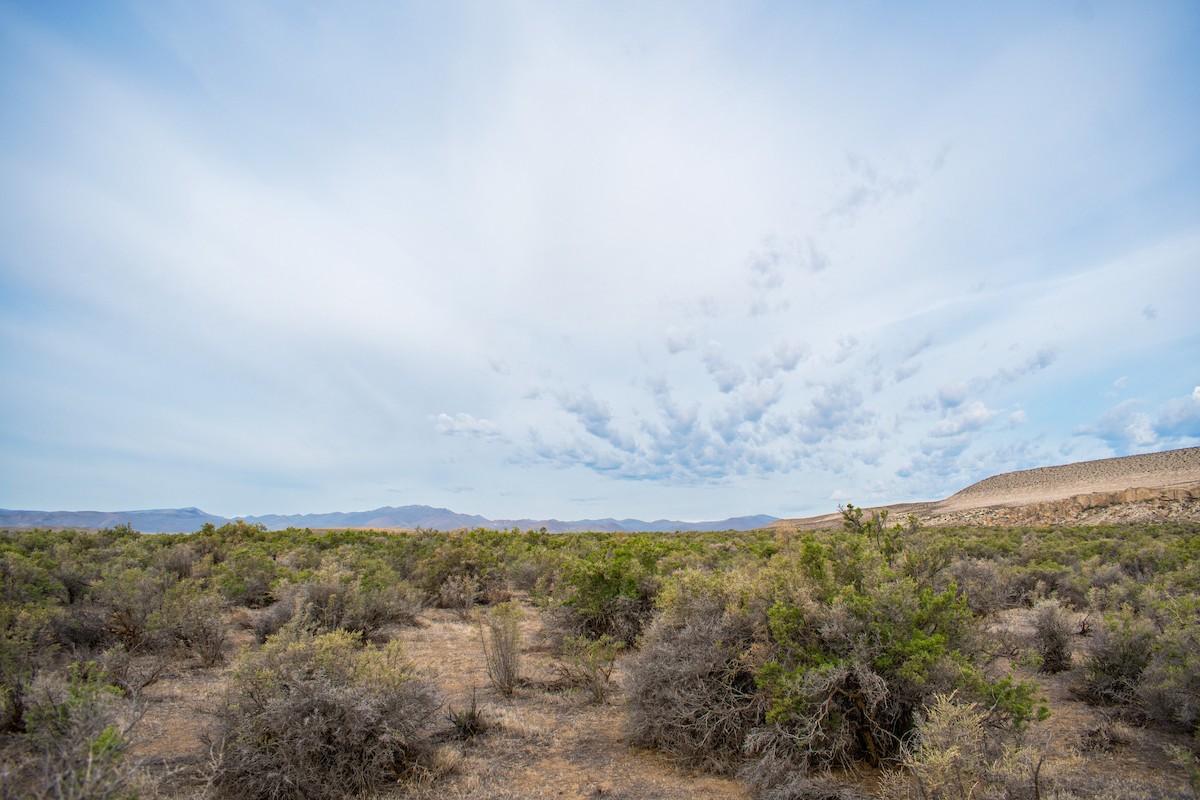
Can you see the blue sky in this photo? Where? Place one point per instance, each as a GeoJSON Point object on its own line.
{"type": "Point", "coordinates": [566, 259]}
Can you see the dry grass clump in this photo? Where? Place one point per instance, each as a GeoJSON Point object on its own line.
{"type": "Point", "coordinates": [319, 716]}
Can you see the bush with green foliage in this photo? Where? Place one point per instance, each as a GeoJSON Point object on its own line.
{"type": "Point", "coordinates": [824, 657]}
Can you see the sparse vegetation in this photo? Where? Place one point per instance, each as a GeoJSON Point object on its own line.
{"type": "Point", "coordinates": [775, 657]}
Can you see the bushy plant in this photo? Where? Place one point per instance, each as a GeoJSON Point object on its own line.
{"type": "Point", "coordinates": [823, 658]}
{"type": "Point", "coordinates": [691, 684]}
{"type": "Point", "coordinates": [1118, 652]}
{"type": "Point", "coordinates": [611, 590]}
{"type": "Point", "coordinates": [500, 635]}
{"type": "Point", "coordinates": [1052, 636]}
{"type": "Point", "coordinates": [1169, 687]}
{"type": "Point", "coordinates": [460, 593]}
{"type": "Point", "coordinates": [337, 598]}
{"type": "Point", "coordinates": [75, 743]}
{"type": "Point", "coordinates": [190, 618]}
{"type": "Point", "coordinates": [588, 664]}
{"type": "Point", "coordinates": [319, 716]}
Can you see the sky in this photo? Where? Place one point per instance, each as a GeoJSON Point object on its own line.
{"type": "Point", "coordinates": [685, 260]}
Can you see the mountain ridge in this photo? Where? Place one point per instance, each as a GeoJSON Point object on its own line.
{"type": "Point", "coordinates": [191, 519]}
{"type": "Point", "coordinates": [1144, 487]}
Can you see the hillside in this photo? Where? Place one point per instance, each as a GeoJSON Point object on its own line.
{"type": "Point", "coordinates": [1139, 488]}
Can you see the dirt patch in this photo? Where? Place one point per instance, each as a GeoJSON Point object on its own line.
{"type": "Point", "coordinates": [546, 742]}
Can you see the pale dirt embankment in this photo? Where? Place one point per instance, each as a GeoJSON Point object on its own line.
{"type": "Point", "coordinates": [1142, 488]}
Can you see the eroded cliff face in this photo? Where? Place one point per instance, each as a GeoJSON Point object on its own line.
{"type": "Point", "coordinates": [1127, 505]}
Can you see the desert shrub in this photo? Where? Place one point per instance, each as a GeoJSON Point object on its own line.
{"type": "Point", "coordinates": [691, 684]}
{"type": "Point", "coordinates": [177, 559]}
{"type": "Point", "coordinates": [611, 590]}
{"type": "Point", "coordinates": [953, 753]}
{"type": "Point", "coordinates": [1052, 636]}
{"type": "Point", "coordinates": [460, 593]}
{"type": "Point", "coordinates": [191, 619]}
{"type": "Point", "coordinates": [1169, 687]}
{"type": "Point", "coordinates": [500, 635]}
{"type": "Point", "coordinates": [247, 575]}
{"type": "Point", "coordinates": [24, 651]}
{"type": "Point", "coordinates": [823, 658]}
{"type": "Point", "coordinates": [319, 716]}
{"type": "Point", "coordinates": [335, 598]}
{"type": "Point", "coordinates": [847, 677]}
{"type": "Point", "coordinates": [984, 584]}
{"type": "Point", "coordinates": [588, 664]}
{"type": "Point", "coordinates": [1118, 652]}
{"type": "Point", "coordinates": [129, 600]}
{"type": "Point", "coordinates": [474, 554]}
{"type": "Point", "coordinates": [75, 743]}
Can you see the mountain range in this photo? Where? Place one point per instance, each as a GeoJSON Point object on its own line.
{"type": "Point", "coordinates": [1144, 487]}
{"type": "Point", "coordinates": [188, 520]}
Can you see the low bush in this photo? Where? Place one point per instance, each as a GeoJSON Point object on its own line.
{"type": "Point", "coordinates": [500, 634]}
{"type": "Point", "coordinates": [691, 684]}
{"type": "Point", "coordinates": [74, 745]}
{"type": "Point", "coordinates": [337, 599]}
{"type": "Point", "coordinates": [588, 664]}
{"type": "Point", "coordinates": [1118, 652]}
{"type": "Point", "coordinates": [319, 716]}
{"type": "Point", "coordinates": [1052, 636]}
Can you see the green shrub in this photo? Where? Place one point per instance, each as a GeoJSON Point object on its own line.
{"type": "Point", "coordinates": [611, 590]}
{"type": "Point", "coordinates": [191, 618]}
{"type": "Point", "coordinates": [1118, 653]}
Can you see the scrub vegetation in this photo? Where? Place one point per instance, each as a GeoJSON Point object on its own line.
{"type": "Point", "coordinates": [870, 659]}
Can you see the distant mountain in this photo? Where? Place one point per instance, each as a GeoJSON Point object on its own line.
{"type": "Point", "coordinates": [189, 520]}
{"type": "Point", "coordinates": [158, 520]}
{"type": "Point", "coordinates": [386, 517]}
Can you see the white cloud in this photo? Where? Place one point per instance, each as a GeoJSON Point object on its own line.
{"type": "Point", "coordinates": [557, 214]}
{"type": "Point", "coordinates": [963, 419]}
{"type": "Point", "coordinates": [463, 423]}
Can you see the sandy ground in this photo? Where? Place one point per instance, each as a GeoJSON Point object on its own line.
{"type": "Point", "coordinates": [547, 741]}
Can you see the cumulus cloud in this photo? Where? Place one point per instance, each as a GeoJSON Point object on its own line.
{"type": "Point", "coordinates": [727, 375]}
{"type": "Point", "coordinates": [783, 356]}
{"type": "Point", "coordinates": [1123, 427]}
{"type": "Point", "coordinates": [1180, 417]}
{"type": "Point", "coordinates": [835, 411]}
{"type": "Point", "coordinates": [952, 394]}
{"type": "Point", "coordinates": [464, 424]}
{"type": "Point", "coordinates": [963, 419]}
{"type": "Point", "coordinates": [1128, 426]}
{"type": "Point", "coordinates": [679, 340]}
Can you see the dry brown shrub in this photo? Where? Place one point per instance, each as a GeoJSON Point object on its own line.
{"type": "Point", "coordinates": [319, 717]}
{"type": "Point", "coordinates": [690, 693]}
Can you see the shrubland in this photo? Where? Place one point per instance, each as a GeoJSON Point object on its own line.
{"type": "Point", "coordinates": [785, 658]}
